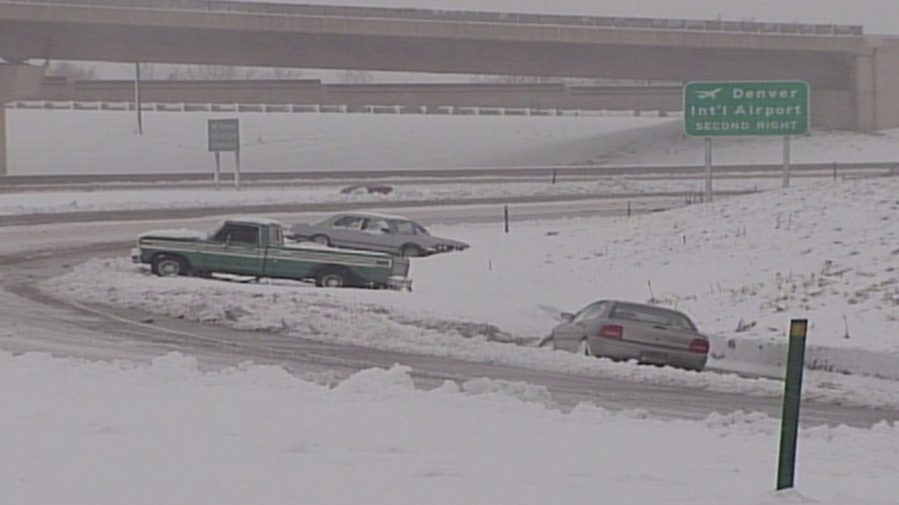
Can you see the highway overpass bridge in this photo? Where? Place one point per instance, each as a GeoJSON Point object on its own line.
{"type": "Point", "coordinates": [852, 75]}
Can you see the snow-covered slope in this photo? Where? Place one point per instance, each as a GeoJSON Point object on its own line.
{"type": "Point", "coordinates": [822, 146]}
{"type": "Point", "coordinates": [111, 433]}
{"type": "Point", "coordinates": [742, 267]}
{"type": "Point", "coordinates": [93, 142]}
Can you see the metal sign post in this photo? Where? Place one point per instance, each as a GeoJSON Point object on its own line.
{"type": "Point", "coordinates": [786, 162]}
{"type": "Point", "coordinates": [137, 101]}
{"type": "Point", "coordinates": [218, 169]}
{"type": "Point", "coordinates": [224, 135]}
{"type": "Point", "coordinates": [792, 396]}
{"type": "Point", "coordinates": [708, 169]}
{"type": "Point", "coordinates": [237, 169]}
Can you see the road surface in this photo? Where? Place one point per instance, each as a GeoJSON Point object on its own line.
{"type": "Point", "coordinates": [31, 253]}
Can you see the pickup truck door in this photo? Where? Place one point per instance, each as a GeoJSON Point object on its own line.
{"type": "Point", "coordinates": [235, 249]}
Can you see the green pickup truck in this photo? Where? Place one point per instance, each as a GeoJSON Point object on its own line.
{"type": "Point", "coordinates": [255, 247]}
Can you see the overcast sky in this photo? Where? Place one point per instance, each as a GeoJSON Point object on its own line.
{"type": "Point", "coordinates": [877, 16]}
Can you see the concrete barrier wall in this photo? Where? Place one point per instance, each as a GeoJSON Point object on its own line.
{"type": "Point", "coordinates": [831, 108]}
{"type": "Point", "coordinates": [534, 96]}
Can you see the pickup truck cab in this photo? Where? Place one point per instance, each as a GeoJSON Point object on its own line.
{"type": "Point", "coordinates": [255, 247]}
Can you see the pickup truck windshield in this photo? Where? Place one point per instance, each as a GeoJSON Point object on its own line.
{"type": "Point", "coordinates": [237, 234]}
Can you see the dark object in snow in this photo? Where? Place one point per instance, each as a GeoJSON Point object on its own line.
{"type": "Point", "coordinates": [370, 188]}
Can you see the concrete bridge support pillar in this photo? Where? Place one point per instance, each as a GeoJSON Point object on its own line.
{"type": "Point", "coordinates": [17, 81]}
{"type": "Point", "coordinates": [3, 171]}
{"type": "Point", "coordinates": [876, 93]}
{"type": "Point", "coordinates": [865, 92]}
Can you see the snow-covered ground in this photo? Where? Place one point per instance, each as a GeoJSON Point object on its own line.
{"type": "Point", "coordinates": [742, 267]}
{"type": "Point", "coordinates": [823, 146]}
{"type": "Point", "coordinates": [93, 142]}
{"type": "Point", "coordinates": [110, 433]}
{"type": "Point", "coordinates": [87, 142]}
{"type": "Point", "coordinates": [107, 433]}
{"type": "Point", "coordinates": [104, 142]}
{"type": "Point", "coordinates": [41, 202]}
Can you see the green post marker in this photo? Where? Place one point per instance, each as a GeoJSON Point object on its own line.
{"type": "Point", "coordinates": [792, 394]}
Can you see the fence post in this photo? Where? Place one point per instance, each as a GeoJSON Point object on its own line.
{"type": "Point", "coordinates": [506, 217]}
{"type": "Point", "coordinates": [792, 394]}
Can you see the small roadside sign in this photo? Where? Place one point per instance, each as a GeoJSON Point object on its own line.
{"type": "Point", "coordinates": [224, 135]}
{"type": "Point", "coordinates": [725, 108]}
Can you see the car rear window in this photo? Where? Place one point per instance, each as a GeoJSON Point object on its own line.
{"type": "Point", "coordinates": [652, 315]}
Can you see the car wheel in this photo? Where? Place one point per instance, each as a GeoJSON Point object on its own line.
{"type": "Point", "coordinates": [410, 251]}
{"type": "Point", "coordinates": [331, 279]}
{"type": "Point", "coordinates": [321, 239]}
{"type": "Point", "coordinates": [169, 266]}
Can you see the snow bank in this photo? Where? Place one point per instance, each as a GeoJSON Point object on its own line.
{"type": "Point", "coordinates": [418, 323]}
{"type": "Point", "coordinates": [94, 200]}
{"type": "Point", "coordinates": [821, 146]}
{"type": "Point", "coordinates": [111, 433]}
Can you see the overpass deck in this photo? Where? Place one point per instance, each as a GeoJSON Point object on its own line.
{"type": "Point", "coordinates": [472, 16]}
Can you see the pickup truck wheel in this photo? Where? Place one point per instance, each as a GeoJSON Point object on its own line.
{"type": "Point", "coordinates": [410, 251]}
{"type": "Point", "coordinates": [321, 239]}
{"type": "Point", "coordinates": [331, 279]}
{"type": "Point", "coordinates": [169, 266]}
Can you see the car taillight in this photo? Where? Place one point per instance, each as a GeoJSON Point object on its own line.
{"type": "Point", "coordinates": [699, 345]}
{"type": "Point", "coordinates": [611, 331]}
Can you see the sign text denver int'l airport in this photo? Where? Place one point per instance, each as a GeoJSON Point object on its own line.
{"type": "Point", "coordinates": [715, 109]}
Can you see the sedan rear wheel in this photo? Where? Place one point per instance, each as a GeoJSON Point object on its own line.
{"type": "Point", "coordinates": [321, 239]}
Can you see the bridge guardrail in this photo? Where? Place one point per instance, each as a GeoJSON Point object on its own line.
{"type": "Point", "coordinates": [293, 108]}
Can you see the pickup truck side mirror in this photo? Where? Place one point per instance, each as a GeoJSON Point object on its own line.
{"type": "Point", "coordinates": [227, 240]}
{"type": "Point", "coordinates": [567, 317]}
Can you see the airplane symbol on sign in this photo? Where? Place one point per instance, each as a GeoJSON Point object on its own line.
{"type": "Point", "coordinates": [708, 94]}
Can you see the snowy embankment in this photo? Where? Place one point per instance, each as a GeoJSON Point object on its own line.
{"type": "Point", "coordinates": [111, 433]}
{"type": "Point", "coordinates": [742, 268]}
{"type": "Point", "coordinates": [820, 147]}
{"type": "Point", "coordinates": [93, 142]}
{"type": "Point", "coordinates": [55, 202]}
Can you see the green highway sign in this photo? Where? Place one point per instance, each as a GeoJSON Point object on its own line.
{"type": "Point", "coordinates": [725, 108]}
{"type": "Point", "coordinates": [224, 135]}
